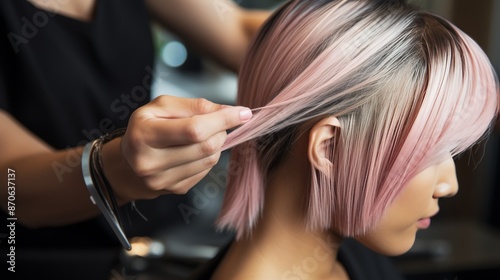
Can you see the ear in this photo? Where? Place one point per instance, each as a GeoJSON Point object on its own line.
{"type": "Point", "coordinates": [319, 136]}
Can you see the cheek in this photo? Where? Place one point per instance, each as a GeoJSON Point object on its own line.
{"type": "Point", "coordinates": [393, 236]}
{"type": "Point", "coordinates": [396, 231]}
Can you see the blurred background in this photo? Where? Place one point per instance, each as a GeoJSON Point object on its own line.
{"type": "Point", "coordinates": [173, 234]}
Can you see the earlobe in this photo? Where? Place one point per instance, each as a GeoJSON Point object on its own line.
{"type": "Point", "coordinates": [320, 136]}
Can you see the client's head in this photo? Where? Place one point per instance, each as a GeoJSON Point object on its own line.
{"type": "Point", "coordinates": [404, 91]}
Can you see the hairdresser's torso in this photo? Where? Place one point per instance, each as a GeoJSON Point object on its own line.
{"type": "Point", "coordinates": [69, 72]}
{"type": "Point", "coordinates": [83, 10]}
{"type": "Point", "coordinates": [68, 78]}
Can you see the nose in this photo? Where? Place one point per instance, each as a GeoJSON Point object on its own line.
{"type": "Point", "coordinates": [447, 185]}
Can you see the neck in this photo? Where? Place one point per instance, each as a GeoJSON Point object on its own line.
{"type": "Point", "coordinates": [280, 247]}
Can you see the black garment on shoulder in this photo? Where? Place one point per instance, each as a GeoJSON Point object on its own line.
{"type": "Point", "coordinates": [69, 81]}
{"type": "Point", "coordinates": [64, 78]}
{"type": "Point", "coordinates": [360, 263]}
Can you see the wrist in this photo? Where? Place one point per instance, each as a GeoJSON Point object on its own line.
{"type": "Point", "coordinates": [101, 193]}
{"type": "Point", "coordinates": [117, 171]}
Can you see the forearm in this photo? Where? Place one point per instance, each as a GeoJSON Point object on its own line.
{"type": "Point", "coordinates": [49, 189]}
{"type": "Point", "coordinates": [170, 145]}
{"type": "Point", "coordinates": [252, 21]}
{"type": "Point", "coordinates": [219, 29]}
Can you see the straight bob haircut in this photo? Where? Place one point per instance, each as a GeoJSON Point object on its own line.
{"type": "Point", "coordinates": [409, 89]}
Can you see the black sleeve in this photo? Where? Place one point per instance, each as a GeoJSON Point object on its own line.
{"type": "Point", "coordinates": [3, 64]}
{"type": "Point", "coordinates": [207, 269]}
{"type": "Point", "coordinates": [362, 263]}
{"type": "Point", "coordinates": [3, 91]}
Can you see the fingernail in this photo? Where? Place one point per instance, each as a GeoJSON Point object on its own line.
{"type": "Point", "coordinates": [245, 114]}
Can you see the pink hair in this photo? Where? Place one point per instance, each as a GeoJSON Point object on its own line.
{"type": "Point", "coordinates": [408, 88]}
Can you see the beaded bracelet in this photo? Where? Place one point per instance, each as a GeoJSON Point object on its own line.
{"type": "Point", "coordinates": [94, 179]}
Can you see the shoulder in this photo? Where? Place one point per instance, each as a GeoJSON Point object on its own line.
{"type": "Point", "coordinates": [207, 269]}
{"type": "Point", "coordinates": [362, 263]}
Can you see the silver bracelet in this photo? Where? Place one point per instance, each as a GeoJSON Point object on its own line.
{"type": "Point", "coordinates": [96, 195]}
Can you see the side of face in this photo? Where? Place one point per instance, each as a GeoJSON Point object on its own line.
{"type": "Point", "coordinates": [412, 209]}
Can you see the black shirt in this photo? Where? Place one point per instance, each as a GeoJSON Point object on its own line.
{"type": "Point", "coordinates": [61, 77]}
{"type": "Point", "coordinates": [70, 81]}
{"type": "Point", "coordinates": [360, 263]}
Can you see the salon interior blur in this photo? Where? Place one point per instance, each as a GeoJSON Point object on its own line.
{"type": "Point", "coordinates": [173, 234]}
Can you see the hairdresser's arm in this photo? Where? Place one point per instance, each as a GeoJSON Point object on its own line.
{"type": "Point", "coordinates": [170, 145]}
{"type": "Point", "coordinates": [217, 28]}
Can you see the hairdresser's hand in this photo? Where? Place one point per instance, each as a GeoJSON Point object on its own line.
{"type": "Point", "coordinates": [172, 143]}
